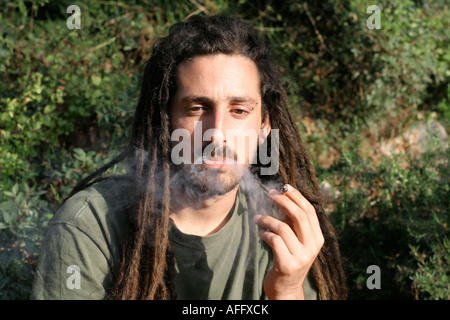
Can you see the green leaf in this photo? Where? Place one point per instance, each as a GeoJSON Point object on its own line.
{"type": "Point", "coordinates": [96, 80]}
{"type": "Point", "coordinates": [55, 194]}
{"type": "Point", "coordinates": [15, 189]}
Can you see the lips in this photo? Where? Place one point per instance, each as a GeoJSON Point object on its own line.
{"type": "Point", "coordinates": [219, 157]}
{"type": "Point", "coordinates": [217, 162]}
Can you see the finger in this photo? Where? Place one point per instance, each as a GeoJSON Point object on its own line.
{"type": "Point", "coordinates": [282, 202]}
{"type": "Point", "coordinates": [298, 198]}
{"type": "Point", "coordinates": [313, 218]}
{"type": "Point", "coordinates": [282, 230]}
{"type": "Point", "coordinates": [299, 218]}
{"type": "Point", "coordinates": [280, 251]}
{"type": "Point", "coordinates": [295, 206]}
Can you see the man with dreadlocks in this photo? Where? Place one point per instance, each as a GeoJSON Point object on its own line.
{"type": "Point", "coordinates": [195, 229]}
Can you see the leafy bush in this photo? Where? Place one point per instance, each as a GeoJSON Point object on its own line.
{"type": "Point", "coordinates": [396, 217]}
{"type": "Point", "coordinates": [58, 87]}
{"type": "Point", "coordinates": [23, 216]}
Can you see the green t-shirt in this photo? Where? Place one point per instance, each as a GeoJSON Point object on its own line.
{"type": "Point", "coordinates": [81, 249]}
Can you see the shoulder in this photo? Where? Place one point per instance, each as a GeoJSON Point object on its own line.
{"type": "Point", "coordinates": [97, 214]}
{"type": "Point", "coordinates": [86, 233]}
{"type": "Point", "coordinates": [99, 204]}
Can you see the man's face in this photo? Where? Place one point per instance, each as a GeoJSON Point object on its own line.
{"type": "Point", "coordinates": [218, 102]}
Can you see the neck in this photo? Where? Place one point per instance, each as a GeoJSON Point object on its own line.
{"type": "Point", "coordinates": [203, 217]}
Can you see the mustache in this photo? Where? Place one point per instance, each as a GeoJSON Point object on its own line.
{"type": "Point", "coordinates": [223, 152]}
{"type": "Point", "coordinates": [210, 151]}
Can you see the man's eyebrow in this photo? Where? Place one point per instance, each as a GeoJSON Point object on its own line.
{"type": "Point", "coordinates": [204, 99]}
{"type": "Point", "coordinates": [242, 99]}
{"type": "Point", "coordinates": [193, 98]}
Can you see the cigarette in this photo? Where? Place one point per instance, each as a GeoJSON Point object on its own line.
{"type": "Point", "coordinates": [286, 188]}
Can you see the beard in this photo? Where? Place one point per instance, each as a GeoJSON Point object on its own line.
{"type": "Point", "coordinates": [197, 181]}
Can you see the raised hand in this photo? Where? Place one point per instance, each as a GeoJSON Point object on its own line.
{"type": "Point", "coordinates": [295, 240]}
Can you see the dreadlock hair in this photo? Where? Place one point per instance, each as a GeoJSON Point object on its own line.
{"type": "Point", "coordinates": [146, 270]}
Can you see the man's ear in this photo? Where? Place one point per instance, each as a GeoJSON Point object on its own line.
{"type": "Point", "coordinates": [265, 129]}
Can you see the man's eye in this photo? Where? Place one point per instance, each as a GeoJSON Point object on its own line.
{"type": "Point", "coordinates": [194, 109]}
{"type": "Point", "coordinates": [240, 111]}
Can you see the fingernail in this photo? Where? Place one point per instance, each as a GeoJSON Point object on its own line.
{"type": "Point", "coordinates": [256, 218]}
{"type": "Point", "coordinates": [273, 192]}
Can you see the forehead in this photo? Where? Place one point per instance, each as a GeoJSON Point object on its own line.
{"type": "Point", "coordinates": [218, 76]}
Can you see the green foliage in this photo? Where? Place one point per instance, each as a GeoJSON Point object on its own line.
{"type": "Point", "coordinates": [444, 108]}
{"type": "Point", "coordinates": [432, 278]}
{"type": "Point", "coordinates": [411, 52]}
{"type": "Point", "coordinates": [394, 215]}
{"type": "Point", "coordinates": [337, 69]}
{"type": "Point", "coordinates": [23, 216]}
{"type": "Point", "coordinates": [67, 98]}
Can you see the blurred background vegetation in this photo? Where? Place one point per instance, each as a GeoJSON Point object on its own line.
{"type": "Point", "coordinates": [373, 105]}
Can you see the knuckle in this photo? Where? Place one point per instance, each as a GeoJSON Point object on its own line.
{"type": "Point", "coordinates": [303, 260]}
{"type": "Point", "coordinates": [289, 267]}
{"type": "Point", "coordinates": [315, 249]}
{"type": "Point", "coordinates": [277, 242]}
{"type": "Point", "coordinates": [300, 216]}
{"type": "Point", "coordinates": [283, 229]}
{"type": "Point", "coordinates": [321, 241]}
{"type": "Point", "coordinates": [311, 208]}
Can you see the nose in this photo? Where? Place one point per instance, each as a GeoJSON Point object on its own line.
{"type": "Point", "coordinates": [218, 123]}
